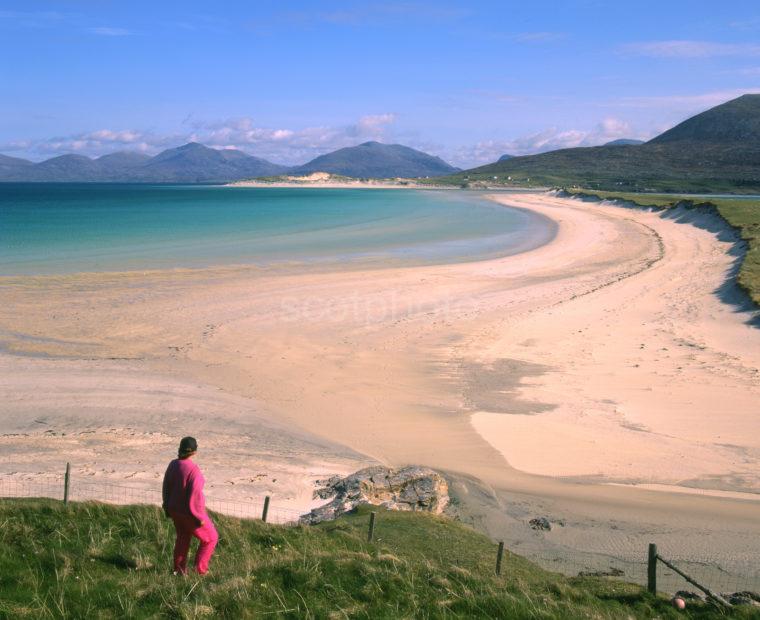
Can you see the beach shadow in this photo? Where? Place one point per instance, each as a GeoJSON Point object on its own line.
{"type": "Point", "coordinates": [706, 217]}
{"type": "Point", "coordinates": [495, 387]}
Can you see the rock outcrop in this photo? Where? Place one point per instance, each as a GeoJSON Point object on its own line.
{"type": "Point", "coordinates": [408, 488]}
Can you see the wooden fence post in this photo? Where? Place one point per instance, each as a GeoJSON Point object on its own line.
{"type": "Point", "coordinates": [265, 512]}
{"type": "Point", "coordinates": [66, 483]}
{"type": "Point", "coordinates": [652, 569]}
{"type": "Point", "coordinates": [499, 556]}
{"type": "Point", "coordinates": [371, 532]}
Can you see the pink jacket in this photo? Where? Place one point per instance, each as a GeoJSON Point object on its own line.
{"type": "Point", "coordinates": [183, 490]}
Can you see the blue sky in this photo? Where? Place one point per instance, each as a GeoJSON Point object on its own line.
{"type": "Point", "coordinates": [290, 80]}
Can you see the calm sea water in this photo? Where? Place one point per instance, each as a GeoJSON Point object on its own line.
{"type": "Point", "coordinates": [67, 228]}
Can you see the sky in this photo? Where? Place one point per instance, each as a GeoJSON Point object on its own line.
{"type": "Point", "coordinates": [287, 81]}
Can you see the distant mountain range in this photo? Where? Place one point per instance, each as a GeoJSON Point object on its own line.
{"type": "Point", "coordinates": [717, 150]}
{"type": "Point", "coordinates": [195, 163]}
{"type": "Point", "coordinates": [191, 163]}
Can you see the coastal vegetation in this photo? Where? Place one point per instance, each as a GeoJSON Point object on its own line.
{"type": "Point", "coordinates": [91, 560]}
{"type": "Point", "coordinates": [742, 214]}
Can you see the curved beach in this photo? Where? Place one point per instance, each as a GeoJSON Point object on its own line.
{"type": "Point", "coordinates": [615, 353]}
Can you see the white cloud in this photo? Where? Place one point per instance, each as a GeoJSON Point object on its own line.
{"type": "Point", "coordinates": [679, 48]}
{"type": "Point", "coordinates": [291, 146]}
{"type": "Point", "coordinates": [94, 143]}
{"type": "Point", "coordinates": [296, 146]}
{"type": "Point", "coordinates": [547, 140]}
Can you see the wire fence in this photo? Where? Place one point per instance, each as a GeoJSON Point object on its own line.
{"type": "Point", "coordinates": [736, 581]}
{"type": "Point", "coordinates": [110, 493]}
{"type": "Point", "coordinates": [730, 579]}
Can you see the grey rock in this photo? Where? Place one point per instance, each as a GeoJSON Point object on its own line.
{"type": "Point", "coordinates": [324, 488]}
{"type": "Point", "coordinates": [408, 488]}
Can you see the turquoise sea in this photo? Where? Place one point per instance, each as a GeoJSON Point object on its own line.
{"type": "Point", "coordinates": [69, 228]}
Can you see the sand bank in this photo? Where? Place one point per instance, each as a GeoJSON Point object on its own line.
{"type": "Point", "coordinates": [326, 180]}
{"type": "Point", "coordinates": [650, 374]}
{"type": "Point", "coordinates": [612, 354]}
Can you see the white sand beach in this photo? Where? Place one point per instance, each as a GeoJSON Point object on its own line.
{"type": "Point", "coordinates": [327, 180]}
{"type": "Point", "coordinates": [614, 354]}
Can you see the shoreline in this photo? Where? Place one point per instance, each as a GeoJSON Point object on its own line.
{"type": "Point", "coordinates": [336, 185]}
{"type": "Point", "coordinates": [709, 230]}
{"type": "Point", "coordinates": [520, 340]}
{"type": "Point", "coordinates": [336, 181]}
{"type": "Point", "coordinates": [410, 234]}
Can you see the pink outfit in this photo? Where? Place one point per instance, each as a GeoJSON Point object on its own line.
{"type": "Point", "coordinates": [185, 504]}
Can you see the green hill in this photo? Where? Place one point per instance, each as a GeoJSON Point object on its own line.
{"type": "Point", "coordinates": [378, 161]}
{"type": "Point", "coordinates": [715, 151]}
{"type": "Point", "coordinates": [92, 560]}
{"type": "Point", "coordinates": [734, 123]}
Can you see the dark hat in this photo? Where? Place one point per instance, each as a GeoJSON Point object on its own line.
{"type": "Point", "coordinates": [187, 446]}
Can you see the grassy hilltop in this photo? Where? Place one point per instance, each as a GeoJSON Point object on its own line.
{"type": "Point", "coordinates": [92, 560]}
{"type": "Point", "coordinates": [715, 151]}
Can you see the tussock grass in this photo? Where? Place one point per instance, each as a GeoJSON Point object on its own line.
{"type": "Point", "coordinates": [91, 560]}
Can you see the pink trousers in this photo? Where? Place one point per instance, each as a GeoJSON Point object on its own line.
{"type": "Point", "coordinates": [207, 536]}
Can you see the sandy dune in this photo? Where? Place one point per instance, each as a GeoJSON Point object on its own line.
{"type": "Point", "coordinates": [654, 378]}
{"type": "Point", "coordinates": [615, 353]}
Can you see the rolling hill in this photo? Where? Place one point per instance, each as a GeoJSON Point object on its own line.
{"type": "Point", "coordinates": [376, 160]}
{"type": "Point", "coordinates": [10, 165]}
{"type": "Point", "coordinates": [190, 163]}
{"type": "Point", "coordinates": [717, 150]}
{"type": "Point", "coordinates": [196, 163]}
{"type": "Point", "coordinates": [733, 123]}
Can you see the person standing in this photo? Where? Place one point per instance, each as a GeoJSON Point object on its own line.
{"type": "Point", "coordinates": [184, 503]}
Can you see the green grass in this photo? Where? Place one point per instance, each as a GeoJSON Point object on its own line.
{"type": "Point", "coordinates": [91, 560]}
{"type": "Point", "coordinates": [744, 215]}
{"type": "Point", "coordinates": [598, 176]}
